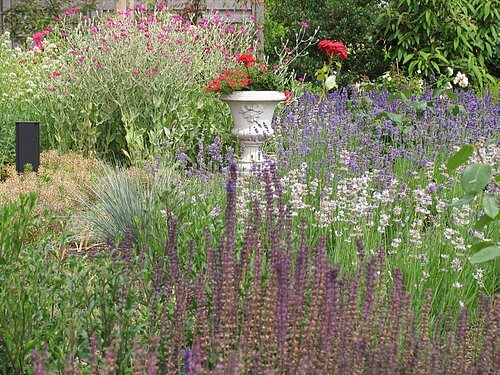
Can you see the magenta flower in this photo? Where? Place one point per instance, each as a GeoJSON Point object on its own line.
{"type": "Point", "coordinates": [304, 25]}
{"type": "Point", "coordinates": [70, 11]}
{"type": "Point", "coordinates": [140, 7]}
{"type": "Point", "coordinates": [135, 73]}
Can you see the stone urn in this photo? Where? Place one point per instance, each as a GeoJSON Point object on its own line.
{"type": "Point", "coordinates": [252, 113]}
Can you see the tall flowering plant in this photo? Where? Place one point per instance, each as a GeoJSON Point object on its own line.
{"type": "Point", "coordinates": [335, 52]}
{"type": "Point", "coordinates": [248, 75]}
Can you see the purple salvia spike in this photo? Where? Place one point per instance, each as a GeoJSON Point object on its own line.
{"type": "Point", "coordinates": [110, 361]}
{"type": "Point", "coordinates": [93, 347]}
{"type": "Point", "coordinates": [38, 360]}
{"type": "Point", "coordinates": [152, 365]}
{"type": "Point", "coordinates": [69, 365]}
{"type": "Point", "coordinates": [196, 360]}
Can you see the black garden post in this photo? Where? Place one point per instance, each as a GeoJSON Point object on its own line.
{"type": "Point", "coordinates": [27, 145]}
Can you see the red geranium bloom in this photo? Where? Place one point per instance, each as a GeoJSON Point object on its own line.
{"type": "Point", "coordinates": [337, 49]}
{"type": "Point", "coordinates": [247, 60]}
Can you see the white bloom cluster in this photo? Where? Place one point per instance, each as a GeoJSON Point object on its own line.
{"type": "Point", "coordinates": [461, 80]}
{"type": "Point", "coordinates": [478, 276]}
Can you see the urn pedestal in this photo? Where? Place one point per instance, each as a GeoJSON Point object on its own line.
{"type": "Point", "coordinates": [252, 113]}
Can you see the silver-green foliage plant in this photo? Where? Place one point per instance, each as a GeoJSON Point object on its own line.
{"type": "Point", "coordinates": [432, 35]}
{"type": "Point", "coordinates": [126, 87]}
{"type": "Point", "coordinates": [474, 179]}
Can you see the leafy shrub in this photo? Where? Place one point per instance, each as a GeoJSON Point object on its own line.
{"type": "Point", "coordinates": [26, 17]}
{"type": "Point", "coordinates": [53, 299]}
{"type": "Point", "coordinates": [128, 88]}
{"type": "Point", "coordinates": [351, 21]}
{"type": "Point", "coordinates": [430, 36]}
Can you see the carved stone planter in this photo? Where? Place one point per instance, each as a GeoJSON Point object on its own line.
{"type": "Point", "coordinates": [252, 113]}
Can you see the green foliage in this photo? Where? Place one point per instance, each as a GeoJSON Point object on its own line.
{"type": "Point", "coordinates": [54, 299]}
{"type": "Point", "coordinates": [26, 17]}
{"type": "Point", "coordinates": [474, 179]}
{"type": "Point", "coordinates": [349, 21]}
{"type": "Point", "coordinates": [431, 35]}
{"type": "Point", "coordinates": [19, 310]}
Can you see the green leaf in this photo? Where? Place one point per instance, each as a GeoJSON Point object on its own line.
{"type": "Point", "coordinates": [490, 205]}
{"type": "Point", "coordinates": [476, 72]}
{"type": "Point", "coordinates": [453, 109]}
{"type": "Point", "coordinates": [411, 68]}
{"type": "Point", "coordinates": [475, 177]}
{"type": "Point", "coordinates": [467, 198]}
{"type": "Point", "coordinates": [486, 254]}
{"type": "Point", "coordinates": [406, 94]}
{"type": "Point", "coordinates": [450, 94]}
{"type": "Point", "coordinates": [459, 158]}
{"type": "Point", "coordinates": [394, 117]}
{"type": "Point", "coordinates": [437, 93]}
{"type": "Point", "coordinates": [480, 245]}
{"type": "Point", "coordinates": [482, 222]}
{"type": "Point", "coordinates": [436, 67]}
{"type": "Point", "coordinates": [486, 10]}
{"type": "Point", "coordinates": [321, 76]}
{"type": "Point", "coordinates": [408, 58]}
{"type": "Point", "coordinates": [441, 57]}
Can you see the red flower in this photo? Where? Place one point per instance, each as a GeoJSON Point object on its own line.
{"type": "Point", "coordinates": [337, 49]}
{"type": "Point", "coordinates": [288, 96]}
{"type": "Point", "coordinates": [247, 60]}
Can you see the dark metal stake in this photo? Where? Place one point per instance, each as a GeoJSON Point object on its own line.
{"type": "Point", "coordinates": [27, 145]}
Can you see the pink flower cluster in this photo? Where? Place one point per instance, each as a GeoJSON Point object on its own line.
{"type": "Point", "coordinates": [71, 11]}
{"type": "Point", "coordinates": [38, 37]}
